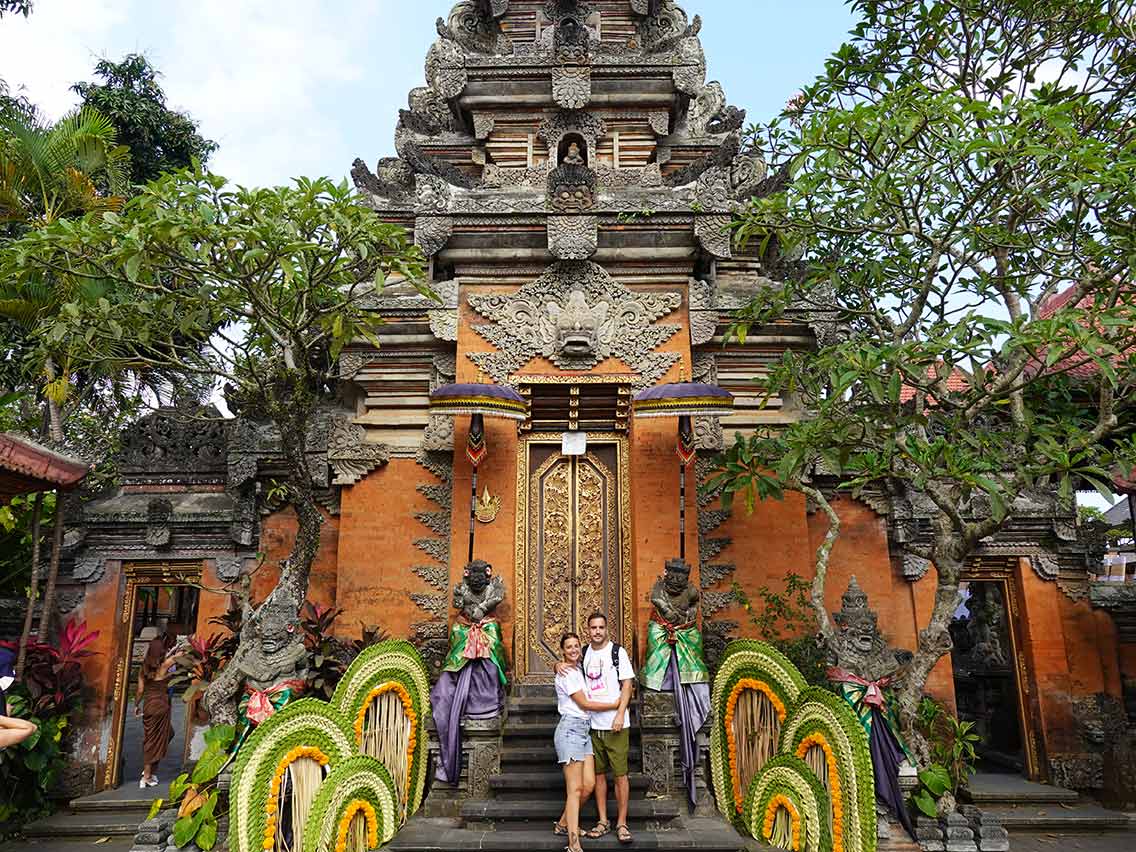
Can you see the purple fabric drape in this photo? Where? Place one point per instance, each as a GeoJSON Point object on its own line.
{"type": "Point", "coordinates": [886, 757]}
{"type": "Point", "coordinates": [692, 706]}
{"type": "Point", "coordinates": [473, 693]}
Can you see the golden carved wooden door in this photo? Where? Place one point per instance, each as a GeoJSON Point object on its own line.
{"type": "Point", "coordinates": [573, 526]}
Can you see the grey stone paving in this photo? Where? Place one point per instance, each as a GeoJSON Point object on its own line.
{"type": "Point", "coordinates": [1112, 841]}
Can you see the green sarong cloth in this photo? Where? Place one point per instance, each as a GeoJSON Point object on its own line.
{"type": "Point", "coordinates": [474, 642]}
{"type": "Point", "coordinates": [854, 694]}
{"type": "Point", "coordinates": [688, 646]}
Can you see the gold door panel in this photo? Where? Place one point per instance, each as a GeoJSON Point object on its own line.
{"type": "Point", "coordinates": [572, 548]}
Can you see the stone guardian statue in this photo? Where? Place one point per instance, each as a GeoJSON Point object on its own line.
{"type": "Point", "coordinates": [675, 658]}
{"type": "Point", "coordinates": [472, 683]}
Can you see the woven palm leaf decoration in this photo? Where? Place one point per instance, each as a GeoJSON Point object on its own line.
{"type": "Point", "coordinates": [385, 696]}
{"type": "Point", "coordinates": [754, 689]}
{"type": "Point", "coordinates": [787, 807]}
{"type": "Point", "coordinates": [359, 786]}
{"type": "Point", "coordinates": [824, 731]}
{"type": "Point", "coordinates": [307, 729]}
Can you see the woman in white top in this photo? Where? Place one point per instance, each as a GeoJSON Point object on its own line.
{"type": "Point", "coordinates": [574, 740]}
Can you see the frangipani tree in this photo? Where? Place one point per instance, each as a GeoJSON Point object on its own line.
{"type": "Point", "coordinates": [252, 290]}
{"type": "Point", "coordinates": [960, 185]}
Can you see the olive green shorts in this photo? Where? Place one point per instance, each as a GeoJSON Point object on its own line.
{"type": "Point", "coordinates": [610, 749]}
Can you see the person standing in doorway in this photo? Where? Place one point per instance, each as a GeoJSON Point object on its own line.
{"type": "Point", "coordinates": [152, 703]}
{"type": "Point", "coordinates": [608, 676]}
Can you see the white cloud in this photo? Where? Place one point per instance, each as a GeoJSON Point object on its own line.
{"type": "Point", "coordinates": [45, 53]}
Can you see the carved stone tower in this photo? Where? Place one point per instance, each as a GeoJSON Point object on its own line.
{"type": "Point", "coordinates": [570, 174]}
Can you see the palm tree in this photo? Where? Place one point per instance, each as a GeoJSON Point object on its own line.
{"type": "Point", "coordinates": [49, 172]}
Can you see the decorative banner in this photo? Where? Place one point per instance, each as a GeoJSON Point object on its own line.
{"type": "Point", "coordinates": [685, 446]}
{"type": "Point", "coordinates": [475, 448]}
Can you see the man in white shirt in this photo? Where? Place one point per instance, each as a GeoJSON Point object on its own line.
{"type": "Point", "coordinates": [608, 676]}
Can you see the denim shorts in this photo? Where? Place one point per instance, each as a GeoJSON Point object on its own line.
{"type": "Point", "coordinates": [573, 739]}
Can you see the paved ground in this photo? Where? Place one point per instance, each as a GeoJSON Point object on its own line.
{"type": "Point", "coordinates": [115, 844]}
{"type": "Point", "coordinates": [1113, 841]}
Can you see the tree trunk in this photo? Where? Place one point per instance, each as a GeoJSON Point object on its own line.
{"type": "Point", "coordinates": [297, 567]}
{"type": "Point", "coordinates": [55, 429]}
{"type": "Point", "coordinates": [33, 593]}
{"type": "Point", "coordinates": [935, 638]}
{"type": "Point", "coordinates": [52, 570]}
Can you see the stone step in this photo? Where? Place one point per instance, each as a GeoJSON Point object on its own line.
{"type": "Point", "coordinates": [508, 813]}
{"type": "Point", "coordinates": [521, 728]}
{"type": "Point", "coordinates": [533, 752]}
{"type": "Point", "coordinates": [67, 824]}
{"type": "Point", "coordinates": [422, 835]}
{"type": "Point", "coordinates": [519, 705]}
{"type": "Point", "coordinates": [996, 790]}
{"type": "Point", "coordinates": [1059, 818]}
{"type": "Point", "coordinates": [531, 784]}
{"type": "Point", "coordinates": [98, 804]}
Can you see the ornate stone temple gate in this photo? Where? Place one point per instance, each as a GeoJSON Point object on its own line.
{"type": "Point", "coordinates": [570, 174]}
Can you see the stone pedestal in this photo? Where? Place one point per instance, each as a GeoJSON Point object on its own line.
{"type": "Point", "coordinates": [662, 752]}
{"type": "Point", "coordinates": [481, 758]}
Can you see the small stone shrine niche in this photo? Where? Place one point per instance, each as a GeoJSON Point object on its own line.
{"type": "Point", "coordinates": [572, 185]}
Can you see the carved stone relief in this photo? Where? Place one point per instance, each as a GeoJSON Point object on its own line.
{"type": "Point", "coordinates": [350, 454]}
{"type": "Point", "coordinates": [713, 234]}
{"type": "Point", "coordinates": [444, 318]}
{"type": "Point", "coordinates": [576, 315]}
{"type": "Point", "coordinates": [431, 233]}
{"type": "Point", "coordinates": [445, 68]}
{"type": "Point", "coordinates": [573, 237]}
{"type": "Point", "coordinates": [572, 86]}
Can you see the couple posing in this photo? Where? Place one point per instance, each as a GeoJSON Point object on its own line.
{"type": "Point", "coordinates": [593, 689]}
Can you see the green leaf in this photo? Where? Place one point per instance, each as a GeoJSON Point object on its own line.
{"type": "Point", "coordinates": [206, 837]}
{"type": "Point", "coordinates": [185, 829]}
{"type": "Point", "coordinates": [220, 736]}
{"type": "Point", "coordinates": [936, 779]}
{"type": "Point", "coordinates": [179, 786]}
{"type": "Point", "coordinates": [926, 805]}
{"type": "Point", "coordinates": [210, 764]}
{"type": "Point", "coordinates": [155, 806]}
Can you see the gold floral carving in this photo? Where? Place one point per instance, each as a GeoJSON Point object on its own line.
{"type": "Point", "coordinates": [573, 531]}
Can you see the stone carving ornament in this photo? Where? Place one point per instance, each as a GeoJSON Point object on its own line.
{"type": "Point", "coordinates": [350, 454]}
{"type": "Point", "coordinates": [573, 237]}
{"type": "Point", "coordinates": [576, 315]}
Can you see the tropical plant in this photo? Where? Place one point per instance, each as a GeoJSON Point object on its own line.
{"type": "Point", "coordinates": [254, 289]}
{"type": "Point", "coordinates": [49, 694]}
{"type": "Point", "coordinates": [959, 187]}
{"type": "Point", "coordinates": [785, 620]}
{"type": "Point", "coordinates": [195, 794]}
{"type": "Point", "coordinates": [160, 139]}
{"type": "Point", "coordinates": [953, 745]}
{"type": "Point", "coordinates": [328, 658]}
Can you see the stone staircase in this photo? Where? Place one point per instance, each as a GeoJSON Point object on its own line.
{"type": "Point", "coordinates": [1024, 807]}
{"type": "Point", "coordinates": [527, 796]}
{"type": "Point", "coordinates": [113, 815]}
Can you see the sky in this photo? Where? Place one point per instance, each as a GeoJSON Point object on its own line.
{"type": "Point", "coordinates": [295, 87]}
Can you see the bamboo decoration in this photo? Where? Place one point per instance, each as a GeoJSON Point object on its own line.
{"type": "Point", "coordinates": [304, 777]}
{"type": "Point", "coordinates": [757, 728]}
{"type": "Point", "coordinates": [386, 736]}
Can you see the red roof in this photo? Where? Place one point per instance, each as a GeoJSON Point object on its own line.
{"type": "Point", "coordinates": [956, 381]}
{"type": "Point", "coordinates": [26, 467]}
{"type": "Point", "coordinates": [1077, 366]}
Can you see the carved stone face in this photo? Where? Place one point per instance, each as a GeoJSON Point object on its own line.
{"type": "Point", "coordinates": [577, 325]}
{"type": "Point", "coordinates": [862, 636]}
{"type": "Point", "coordinates": [276, 628]}
{"type": "Point", "coordinates": [477, 574]}
{"type": "Point", "coordinates": [675, 579]}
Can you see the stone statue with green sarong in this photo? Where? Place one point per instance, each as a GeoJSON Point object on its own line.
{"type": "Point", "coordinates": [675, 659]}
{"type": "Point", "coordinates": [472, 683]}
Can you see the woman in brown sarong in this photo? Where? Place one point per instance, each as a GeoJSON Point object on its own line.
{"type": "Point", "coordinates": [152, 702]}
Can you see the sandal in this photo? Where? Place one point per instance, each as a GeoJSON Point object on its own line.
{"type": "Point", "coordinates": [624, 834]}
{"type": "Point", "coordinates": [559, 829]}
{"type": "Point", "coordinates": [602, 827]}
{"type": "Point", "coordinates": [573, 844]}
